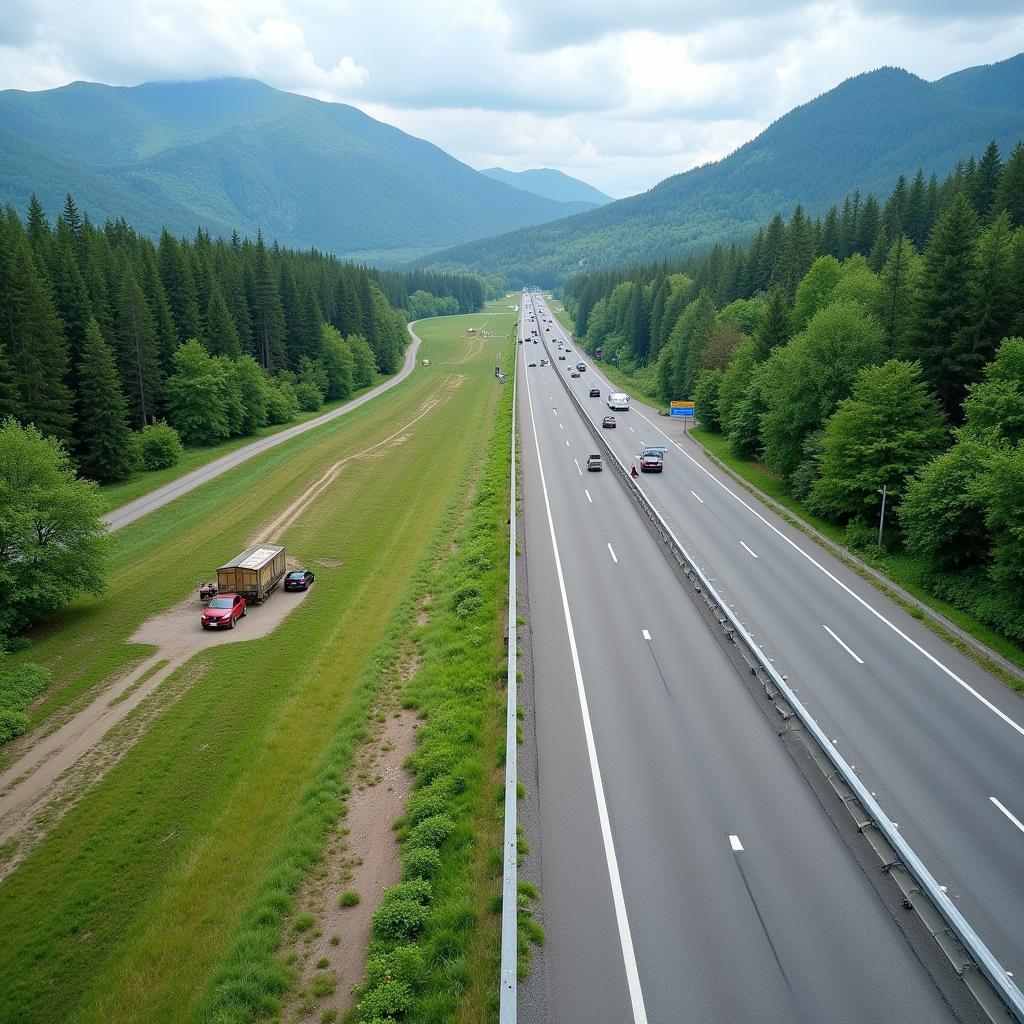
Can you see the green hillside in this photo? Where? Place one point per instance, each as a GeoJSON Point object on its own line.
{"type": "Point", "coordinates": [860, 135]}
{"type": "Point", "coordinates": [234, 154]}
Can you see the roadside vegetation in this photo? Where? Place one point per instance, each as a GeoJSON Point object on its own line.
{"type": "Point", "coordinates": [879, 347]}
{"type": "Point", "coordinates": [218, 805]}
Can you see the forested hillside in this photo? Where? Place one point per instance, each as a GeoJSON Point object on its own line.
{"type": "Point", "coordinates": [105, 333]}
{"type": "Point", "coordinates": [230, 154]}
{"type": "Point", "coordinates": [881, 345]}
{"type": "Point", "coordinates": [859, 135]}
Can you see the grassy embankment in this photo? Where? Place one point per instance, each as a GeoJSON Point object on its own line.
{"type": "Point", "coordinates": [190, 850]}
{"type": "Point", "coordinates": [144, 481]}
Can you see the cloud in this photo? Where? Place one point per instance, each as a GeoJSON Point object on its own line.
{"type": "Point", "coordinates": [622, 94]}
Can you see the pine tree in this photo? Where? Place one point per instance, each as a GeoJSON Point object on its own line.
{"type": "Point", "coordinates": [916, 216]}
{"type": "Point", "coordinates": [986, 182]}
{"type": "Point", "coordinates": [267, 315]}
{"type": "Point", "coordinates": [32, 334]}
{"type": "Point", "coordinates": [137, 349]}
{"type": "Point", "coordinates": [896, 308]}
{"type": "Point", "coordinates": [221, 336]}
{"type": "Point", "coordinates": [771, 253]}
{"type": "Point", "coordinates": [179, 287]}
{"type": "Point", "coordinates": [9, 404]}
{"type": "Point", "coordinates": [895, 212]}
{"type": "Point", "coordinates": [38, 228]}
{"type": "Point", "coordinates": [107, 450]}
{"type": "Point", "coordinates": [73, 222]}
{"type": "Point", "coordinates": [773, 330]}
{"type": "Point", "coordinates": [829, 244]}
{"type": "Point", "coordinates": [993, 295]}
{"type": "Point", "coordinates": [849, 226]}
{"type": "Point", "coordinates": [869, 225]}
{"type": "Point", "coordinates": [1010, 193]}
{"type": "Point", "coordinates": [945, 339]}
{"type": "Point", "coordinates": [702, 326]}
{"type": "Point", "coordinates": [159, 307]}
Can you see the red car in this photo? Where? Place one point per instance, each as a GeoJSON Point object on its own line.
{"type": "Point", "coordinates": [223, 612]}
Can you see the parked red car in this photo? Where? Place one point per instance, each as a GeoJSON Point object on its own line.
{"type": "Point", "coordinates": [223, 612]}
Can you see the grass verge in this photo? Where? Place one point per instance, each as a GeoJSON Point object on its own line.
{"type": "Point", "coordinates": [898, 569]}
{"type": "Point", "coordinates": [175, 867]}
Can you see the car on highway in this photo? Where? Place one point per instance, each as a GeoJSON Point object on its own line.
{"type": "Point", "coordinates": [652, 459]}
{"type": "Point", "coordinates": [300, 579]}
{"type": "Point", "coordinates": [223, 612]}
{"type": "Point", "coordinates": [581, 367]}
{"type": "Point", "coordinates": [543, 362]}
{"type": "Point", "coordinates": [594, 464]}
{"type": "Point", "coordinates": [608, 421]}
{"type": "Point", "coordinates": [575, 373]}
{"type": "Point", "coordinates": [562, 358]}
{"type": "Point", "coordinates": [531, 364]}
{"type": "Point", "coordinates": [595, 392]}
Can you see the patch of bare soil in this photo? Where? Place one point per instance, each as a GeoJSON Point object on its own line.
{"type": "Point", "coordinates": [362, 857]}
{"type": "Point", "coordinates": [37, 776]}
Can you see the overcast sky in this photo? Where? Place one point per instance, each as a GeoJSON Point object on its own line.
{"type": "Point", "coordinates": [621, 93]}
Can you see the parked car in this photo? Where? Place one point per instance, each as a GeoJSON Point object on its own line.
{"type": "Point", "coordinates": [595, 392]}
{"type": "Point", "coordinates": [594, 464]}
{"type": "Point", "coordinates": [301, 579]}
{"type": "Point", "coordinates": [608, 421]}
{"type": "Point", "coordinates": [223, 612]}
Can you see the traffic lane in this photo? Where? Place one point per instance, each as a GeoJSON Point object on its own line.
{"type": "Point", "coordinates": [674, 800]}
{"type": "Point", "coordinates": [584, 972]}
{"type": "Point", "coordinates": [160, 496]}
{"type": "Point", "coordinates": [889, 714]}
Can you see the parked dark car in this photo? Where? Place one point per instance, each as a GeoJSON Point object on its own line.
{"type": "Point", "coordinates": [301, 579]}
{"type": "Point", "coordinates": [223, 612]}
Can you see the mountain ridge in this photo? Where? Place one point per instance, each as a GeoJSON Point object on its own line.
{"type": "Point", "coordinates": [233, 153]}
{"type": "Point", "coordinates": [551, 183]}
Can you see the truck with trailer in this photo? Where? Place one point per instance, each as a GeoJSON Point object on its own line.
{"type": "Point", "coordinates": [255, 573]}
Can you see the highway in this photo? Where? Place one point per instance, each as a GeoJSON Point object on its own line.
{"type": "Point", "coordinates": [937, 739]}
{"type": "Point", "coordinates": [688, 871]}
{"type": "Point", "coordinates": [160, 496]}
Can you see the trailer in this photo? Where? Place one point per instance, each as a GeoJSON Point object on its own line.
{"type": "Point", "coordinates": [254, 574]}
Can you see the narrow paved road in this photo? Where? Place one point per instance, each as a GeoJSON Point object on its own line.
{"type": "Point", "coordinates": [939, 740]}
{"type": "Point", "coordinates": [118, 517]}
{"type": "Point", "coordinates": [688, 871]}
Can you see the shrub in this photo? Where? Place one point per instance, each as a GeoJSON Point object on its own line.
{"type": "Point", "coordinates": [397, 920]}
{"type": "Point", "coordinates": [420, 862]}
{"type": "Point", "coordinates": [18, 688]}
{"type": "Point", "coordinates": [432, 831]}
{"type": "Point", "coordinates": [309, 398]}
{"type": "Point", "coordinates": [386, 1000]}
{"type": "Point", "coordinates": [159, 446]}
{"type": "Point", "coordinates": [349, 898]}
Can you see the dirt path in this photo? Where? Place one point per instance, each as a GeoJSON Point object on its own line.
{"type": "Point", "coordinates": [31, 782]}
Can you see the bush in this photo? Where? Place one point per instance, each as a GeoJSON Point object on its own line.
{"type": "Point", "coordinates": [282, 402]}
{"type": "Point", "coordinates": [159, 446]}
{"type": "Point", "coordinates": [397, 920]}
{"type": "Point", "coordinates": [420, 862]}
{"type": "Point", "coordinates": [308, 396]}
{"type": "Point", "coordinates": [18, 688]}
{"type": "Point", "coordinates": [386, 1000]}
{"type": "Point", "coordinates": [432, 831]}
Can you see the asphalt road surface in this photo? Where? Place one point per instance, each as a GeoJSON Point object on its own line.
{"type": "Point", "coordinates": [935, 737]}
{"type": "Point", "coordinates": [688, 871]}
{"type": "Point", "coordinates": [118, 517]}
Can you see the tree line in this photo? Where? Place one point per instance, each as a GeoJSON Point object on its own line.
{"type": "Point", "coordinates": [881, 346]}
{"type": "Point", "coordinates": [104, 332]}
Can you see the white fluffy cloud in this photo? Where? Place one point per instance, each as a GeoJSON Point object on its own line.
{"type": "Point", "coordinates": [619, 94]}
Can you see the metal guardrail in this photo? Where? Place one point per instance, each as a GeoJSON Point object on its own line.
{"type": "Point", "coordinates": [507, 1010]}
{"type": "Point", "coordinates": [996, 975]}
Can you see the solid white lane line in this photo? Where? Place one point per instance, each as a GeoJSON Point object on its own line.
{"type": "Point", "coordinates": [1009, 814]}
{"type": "Point", "coordinates": [734, 842]}
{"type": "Point", "coordinates": [860, 661]}
{"type": "Point", "coordinates": [589, 498]}
{"type": "Point", "coordinates": [611, 551]}
{"type": "Point", "coordinates": [697, 496]}
{"type": "Point", "coordinates": [577, 461]}
{"type": "Point", "coordinates": [647, 636]}
{"type": "Point", "coordinates": [748, 549]}
{"type": "Point", "coordinates": [981, 698]}
{"type": "Point", "coordinates": [618, 900]}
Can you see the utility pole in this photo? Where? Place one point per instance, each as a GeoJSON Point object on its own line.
{"type": "Point", "coordinates": [881, 518]}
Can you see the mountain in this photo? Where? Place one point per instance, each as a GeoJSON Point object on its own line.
{"type": "Point", "coordinates": [551, 184]}
{"type": "Point", "coordinates": [236, 154]}
{"type": "Point", "coordinates": [862, 134]}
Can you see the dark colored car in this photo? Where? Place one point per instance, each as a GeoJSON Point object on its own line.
{"type": "Point", "coordinates": [608, 421]}
{"type": "Point", "coordinates": [223, 612]}
{"type": "Point", "coordinates": [595, 392]}
{"type": "Point", "coordinates": [575, 373]}
{"type": "Point", "coordinates": [581, 367]}
{"type": "Point", "coordinates": [594, 464]}
{"type": "Point", "coordinates": [301, 579]}
{"type": "Point", "coordinates": [531, 364]}
{"type": "Point", "coordinates": [562, 358]}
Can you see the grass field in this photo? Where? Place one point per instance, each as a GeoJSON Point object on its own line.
{"type": "Point", "coordinates": [132, 905]}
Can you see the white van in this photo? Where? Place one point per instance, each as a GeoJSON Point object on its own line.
{"type": "Point", "coordinates": [619, 401]}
